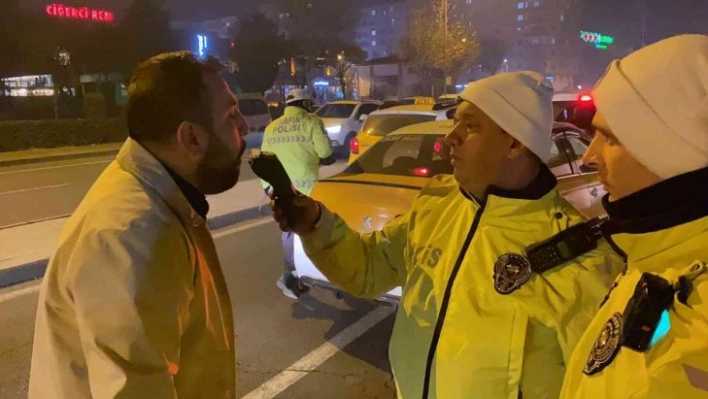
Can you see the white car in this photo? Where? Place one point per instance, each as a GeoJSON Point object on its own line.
{"type": "Point", "coordinates": [343, 119]}
{"type": "Point", "coordinates": [384, 180]}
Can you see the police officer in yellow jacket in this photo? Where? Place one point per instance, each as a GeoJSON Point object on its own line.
{"type": "Point", "coordinates": [650, 338]}
{"type": "Point", "coordinates": [301, 143]}
{"type": "Point", "coordinates": [477, 319]}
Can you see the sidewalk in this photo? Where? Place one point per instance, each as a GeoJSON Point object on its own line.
{"type": "Point", "coordinates": [26, 249]}
{"type": "Point", "coordinates": [35, 155]}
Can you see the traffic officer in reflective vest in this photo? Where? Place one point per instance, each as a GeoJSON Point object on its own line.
{"type": "Point", "coordinates": [301, 143]}
{"type": "Point", "coordinates": [650, 337]}
{"type": "Point", "coordinates": [479, 317]}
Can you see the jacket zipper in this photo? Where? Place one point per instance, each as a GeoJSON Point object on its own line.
{"type": "Point", "coordinates": [446, 301]}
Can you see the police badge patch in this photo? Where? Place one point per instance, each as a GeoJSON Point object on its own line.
{"type": "Point", "coordinates": [606, 346]}
{"type": "Point", "coordinates": [511, 271]}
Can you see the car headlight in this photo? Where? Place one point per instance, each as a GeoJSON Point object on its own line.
{"type": "Point", "coordinates": [334, 129]}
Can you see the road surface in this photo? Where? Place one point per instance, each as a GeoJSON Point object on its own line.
{"type": "Point", "coordinates": [277, 337]}
{"type": "Point", "coordinates": [41, 191]}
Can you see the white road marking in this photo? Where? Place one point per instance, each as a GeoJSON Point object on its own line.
{"type": "Point", "coordinates": [220, 234]}
{"type": "Point", "coordinates": [18, 293]}
{"type": "Point", "coordinates": [276, 385]}
{"type": "Point", "coordinates": [55, 167]}
{"type": "Point", "coordinates": [233, 230]}
{"type": "Point", "coordinates": [25, 190]}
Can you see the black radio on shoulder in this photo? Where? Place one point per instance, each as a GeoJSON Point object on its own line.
{"type": "Point", "coordinates": [652, 296]}
{"type": "Point", "coordinates": [564, 246]}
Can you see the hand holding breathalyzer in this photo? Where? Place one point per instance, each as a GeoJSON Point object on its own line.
{"type": "Point", "coordinates": [292, 210]}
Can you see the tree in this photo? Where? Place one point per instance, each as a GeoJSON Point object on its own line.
{"type": "Point", "coordinates": [143, 33]}
{"type": "Point", "coordinates": [258, 48]}
{"type": "Point", "coordinates": [343, 60]}
{"type": "Point", "coordinates": [434, 42]}
{"type": "Point", "coordinates": [313, 26]}
{"type": "Point", "coordinates": [10, 25]}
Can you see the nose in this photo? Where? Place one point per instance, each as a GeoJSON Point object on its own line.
{"type": "Point", "coordinates": [592, 155]}
{"type": "Point", "coordinates": [242, 126]}
{"type": "Point", "coordinates": [452, 139]}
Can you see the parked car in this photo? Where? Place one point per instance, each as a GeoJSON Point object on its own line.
{"type": "Point", "coordinates": [384, 180]}
{"type": "Point", "coordinates": [342, 119]}
{"type": "Point", "coordinates": [256, 112]}
{"type": "Point", "coordinates": [575, 108]}
{"type": "Point", "coordinates": [382, 122]}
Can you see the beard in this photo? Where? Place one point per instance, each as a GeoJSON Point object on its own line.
{"type": "Point", "coordinates": [219, 171]}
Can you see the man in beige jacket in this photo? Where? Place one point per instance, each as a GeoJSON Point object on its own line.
{"type": "Point", "coordinates": [134, 302]}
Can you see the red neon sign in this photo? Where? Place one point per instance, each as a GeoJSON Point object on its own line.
{"type": "Point", "coordinates": [85, 13]}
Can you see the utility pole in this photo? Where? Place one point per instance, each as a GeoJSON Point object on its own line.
{"type": "Point", "coordinates": [644, 23]}
{"type": "Point", "coordinates": [445, 22]}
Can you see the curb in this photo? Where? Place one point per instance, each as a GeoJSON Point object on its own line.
{"type": "Point", "coordinates": [25, 161]}
{"type": "Point", "coordinates": [36, 269]}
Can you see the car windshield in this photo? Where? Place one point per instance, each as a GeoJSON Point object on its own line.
{"type": "Point", "coordinates": [381, 125]}
{"type": "Point", "coordinates": [421, 155]}
{"type": "Point", "coordinates": [339, 111]}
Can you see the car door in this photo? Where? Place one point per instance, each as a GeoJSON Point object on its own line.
{"type": "Point", "coordinates": [577, 182]}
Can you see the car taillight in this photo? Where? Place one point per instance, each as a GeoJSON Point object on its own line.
{"type": "Point", "coordinates": [437, 147]}
{"type": "Point", "coordinates": [422, 172]}
{"type": "Point", "coordinates": [585, 98]}
{"type": "Point", "coordinates": [354, 146]}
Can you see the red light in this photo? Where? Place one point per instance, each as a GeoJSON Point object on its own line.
{"type": "Point", "coordinates": [585, 98]}
{"type": "Point", "coordinates": [422, 172]}
{"type": "Point", "coordinates": [354, 146]}
{"type": "Point", "coordinates": [437, 147]}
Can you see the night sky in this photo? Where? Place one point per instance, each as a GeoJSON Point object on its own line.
{"type": "Point", "coordinates": [615, 17]}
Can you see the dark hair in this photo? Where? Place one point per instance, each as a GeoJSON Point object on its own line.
{"type": "Point", "coordinates": [167, 90]}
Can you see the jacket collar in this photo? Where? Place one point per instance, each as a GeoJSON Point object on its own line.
{"type": "Point", "coordinates": [659, 217]}
{"type": "Point", "coordinates": [294, 111]}
{"type": "Point", "coordinates": [136, 160]}
{"type": "Point", "coordinates": [498, 199]}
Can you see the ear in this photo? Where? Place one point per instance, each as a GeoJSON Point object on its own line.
{"type": "Point", "coordinates": [516, 149]}
{"type": "Point", "coordinates": [192, 139]}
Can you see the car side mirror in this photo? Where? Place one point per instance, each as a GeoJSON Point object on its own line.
{"type": "Point", "coordinates": [363, 117]}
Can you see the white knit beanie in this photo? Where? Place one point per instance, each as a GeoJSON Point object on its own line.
{"type": "Point", "coordinates": [521, 103]}
{"type": "Point", "coordinates": [655, 101]}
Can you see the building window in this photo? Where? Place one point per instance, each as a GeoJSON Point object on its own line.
{"type": "Point", "coordinates": [520, 17]}
{"type": "Point", "coordinates": [562, 17]}
{"type": "Point", "coordinates": [534, 41]}
{"type": "Point", "coordinates": [537, 3]}
{"type": "Point", "coordinates": [520, 6]}
{"type": "Point", "coordinates": [384, 12]}
{"type": "Point", "coordinates": [469, 2]}
{"type": "Point", "coordinates": [373, 43]}
{"type": "Point", "coordinates": [373, 13]}
{"type": "Point", "coordinates": [385, 53]}
{"type": "Point", "coordinates": [393, 21]}
{"type": "Point", "coordinates": [373, 33]}
{"type": "Point", "coordinates": [309, 4]}
{"type": "Point", "coordinates": [553, 41]}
